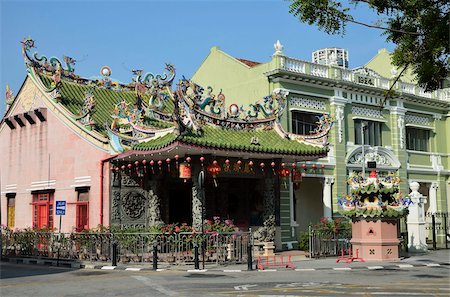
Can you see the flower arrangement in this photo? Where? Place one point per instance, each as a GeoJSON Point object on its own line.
{"type": "Point", "coordinates": [374, 197]}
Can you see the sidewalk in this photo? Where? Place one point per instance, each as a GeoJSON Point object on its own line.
{"type": "Point", "coordinates": [438, 258]}
{"type": "Point", "coordinates": [302, 263]}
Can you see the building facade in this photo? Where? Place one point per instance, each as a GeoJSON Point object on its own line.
{"type": "Point", "coordinates": [406, 133]}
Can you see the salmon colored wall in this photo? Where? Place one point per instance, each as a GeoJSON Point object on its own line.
{"type": "Point", "coordinates": [25, 155]}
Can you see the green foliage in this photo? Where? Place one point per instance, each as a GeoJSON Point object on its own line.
{"type": "Point", "coordinates": [303, 241]}
{"type": "Point", "coordinates": [419, 28]}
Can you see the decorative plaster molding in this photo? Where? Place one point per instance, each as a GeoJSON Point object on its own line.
{"type": "Point", "coordinates": [401, 130]}
{"type": "Point", "coordinates": [340, 119]}
{"type": "Point", "coordinates": [329, 180]}
{"type": "Point", "coordinates": [384, 157]}
{"type": "Point", "coordinates": [307, 103]}
{"type": "Point", "coordinates": [367, 112]}
{"type": "Point", "coordinates": [417, 120]}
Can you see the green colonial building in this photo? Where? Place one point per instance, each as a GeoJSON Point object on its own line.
{"type": "Point", "coordinates": [407, 133]}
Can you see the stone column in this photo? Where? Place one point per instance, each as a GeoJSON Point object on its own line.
{"type": "Point", "coordinates": [198, 194]}
{"type": "Point", "coordinates": [432, 195]}
{"type": "Point", "coordinates": [327, 198]}
{"type": "Point", "coordinates": [416, 221]}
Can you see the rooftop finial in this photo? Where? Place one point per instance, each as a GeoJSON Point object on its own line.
{"type": "Point", "coordinates": [278, 48]}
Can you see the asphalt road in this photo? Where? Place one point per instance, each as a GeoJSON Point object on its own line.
{"type": "Point", "coordinates": [31, 280]}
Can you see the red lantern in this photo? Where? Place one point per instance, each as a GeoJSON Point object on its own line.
{"type": "Point", "coordinates": [185, 171]}
{"type": "Point", "coordinates": [168, 164]}
{"type": "Point", "coordinates": [176, 160]}
{"type": "Point", "coordinates": [322, 166]}
{"type": "Point", "coordinates": [294, 165]}
{"type": "Point", "coordinates": [122, 167]}
{"type": "Point", "coordinates": [144, 163]}
{"type": "Point", "coordinates": [314, 167]}
{"type": "Point", "coordinates": [159, 164]}
{"type": "Point", "coordinates": [137, 166]}
{"type": "Point", "coordinates": [151, 165]}
{"type": "Point", "coordinates": [238, 163]}
{"type": "Point", "coordinates": [262, 166]}
{"type": "Point", "coordinates": [188, 159]}
{"type": "Point", "coordinates": [273, 167]}
{"type": "Point", "coordinates": [284, 173]}
{"type": "Point", "coordinates": [214, 169]}
{"type": "Point", "coordinates": [304, 166]}
{"type": "Point", "coordinates": [226, 166]}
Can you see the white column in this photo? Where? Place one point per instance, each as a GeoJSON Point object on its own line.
{"type": "Point", "coordinates": [433, 197]}
{"type": "Point", "coordinates": [328, 182]}
{"type": "Point", "coordinates": [416, 221]}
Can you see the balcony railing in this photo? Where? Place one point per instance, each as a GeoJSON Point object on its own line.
{"type": "Point", "coordinates": [313, 69]}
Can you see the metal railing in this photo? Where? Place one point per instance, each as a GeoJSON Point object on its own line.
{"type": "Point", "coordinates": [438, 230]}
{"type": "Point", "coordinates": [323, 243]}
{"type": "Point", "coordinates": [174, 248]}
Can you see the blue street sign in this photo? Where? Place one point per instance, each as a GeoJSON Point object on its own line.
{"type": "Point", "coordinates": [60, 209]}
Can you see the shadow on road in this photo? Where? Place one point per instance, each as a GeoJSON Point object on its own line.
{"type": "Point", "coordinates": [10, 270]}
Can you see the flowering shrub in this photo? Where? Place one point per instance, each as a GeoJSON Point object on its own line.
{"type": "Point", "coordinates": [333, 225]}
{"type": "Point", "coordinates": [218, 225]}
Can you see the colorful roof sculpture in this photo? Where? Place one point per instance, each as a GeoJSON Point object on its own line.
{"type": "Point", "coordinates": [148, 115]}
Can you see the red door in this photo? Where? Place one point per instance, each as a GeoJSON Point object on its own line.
{"type": "Point", "coordinates": [82, 217]}
{"type": "Point", "coordinates": [42, 221]}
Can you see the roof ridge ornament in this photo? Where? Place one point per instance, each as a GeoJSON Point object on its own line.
{"type": "Point", "coordinates": [9, 97]}
{"type": "Point", "coordinates": [278, 48]}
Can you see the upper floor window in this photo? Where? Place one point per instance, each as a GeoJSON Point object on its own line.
{"type": "Point", "coordinates": [372, 132]}
{"type": "Point", "coordinates": [417, 139]}
{"type": "Point", "coordinates": [304, 123]}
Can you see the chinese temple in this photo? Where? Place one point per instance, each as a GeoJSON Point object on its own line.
{"type": "Point", "coordinates": [169, 150]}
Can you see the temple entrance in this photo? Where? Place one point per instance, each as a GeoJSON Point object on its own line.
{"type": "Point", "coordinates": [238, 199]}
{"type": "Point", "coordinates": [180, 201]}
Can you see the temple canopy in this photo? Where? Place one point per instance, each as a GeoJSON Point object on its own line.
{"type": "Point", "coordinates": [149, 116]}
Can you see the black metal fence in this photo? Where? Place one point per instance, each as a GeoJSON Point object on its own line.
{"type": "Point", "coordinates": [323, 243]}
{"type": "Point", "coordinates": [438, 230]}
{"type": "Point", "coordinates": [175, 248]}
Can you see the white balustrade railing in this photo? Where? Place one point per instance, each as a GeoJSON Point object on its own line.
{"type": "Point", "coordinates": [319, 70]}
{"type": "Point", "coordinates": [295, 65]}
{"type": "Point", "coordinates": [408, 88]}
{"type": "Point", "coordinates": [299, 66]}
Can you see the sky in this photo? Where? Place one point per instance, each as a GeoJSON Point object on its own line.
{"type": "Point", "coordinates": [126, 35]}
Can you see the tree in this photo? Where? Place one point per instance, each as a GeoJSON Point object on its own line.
{"type": "Point", "coordinates": [418, 28]}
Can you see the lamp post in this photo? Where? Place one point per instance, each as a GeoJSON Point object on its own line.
{"type": "Point", "coordinates": [363, 127]}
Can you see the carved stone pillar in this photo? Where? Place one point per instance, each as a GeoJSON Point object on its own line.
{"type": "Point", "coordinates": [198, 194]}
{"type": "Point", "coordinates": [327, 198]}
{"type": "Point", "coordinates": [154, 211]}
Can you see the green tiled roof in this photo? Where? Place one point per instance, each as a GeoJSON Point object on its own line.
{"type": "Point", "coordinates": [269, 142]}
{"type": "Point", "coordinates": [73, 96]}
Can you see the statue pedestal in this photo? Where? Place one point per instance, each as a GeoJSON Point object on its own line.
{"type": "Point", "coordinates": [269, 247]}
{"type": "Point", "coordinates": [376, 239]}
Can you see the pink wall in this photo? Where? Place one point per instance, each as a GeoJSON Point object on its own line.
{"type": "Point", "coordinates": [25, 159]}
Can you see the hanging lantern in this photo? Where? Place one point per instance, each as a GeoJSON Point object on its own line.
{"type": "Point", "coordinates": [322, 166]}
{"type": "Point", "coordinates": [159, 165]}
{"type": "Point", "coordinates": [168, 164]}
{"type": "Point", "coordinates": [185, 171]}
{"type": "Point", "coordinates": [226, 166]}
{"type": "Point", "coordinates": [176, 160]}
{"type": "Point", "coordinates": [214, 169]}
{"type": "Point", "coordinates": [238, 164]}
{"type": "Point", "coordinates": [202, 159]}
{"type": "Point", "coordinates": [273, 167]}
{"type": "Point", "coordinates": [129, 168]}
{"type": "Point", "coordinates": [122, 167]}
{"type": "Point", "coordinates": [144, 163]}
{"type": "Point", "coordinates": [136, 164]}
{"type": "Point", "coordinates": [151, 165]}
{"type": "Point", "coordinates": [188, 159]}
{"type": "Point", "coordinates": [262, 166]}
{"type": "Point", "coordinates": [304, 166]}
{"type": "Point", "coordinates": [314, 167]}
{"type": "Point", "coordinates": [296, 176]}
{"type": "Point", "coordinates": [294, 165]}
{"type": "Point", "coordinates": [284, 173]}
